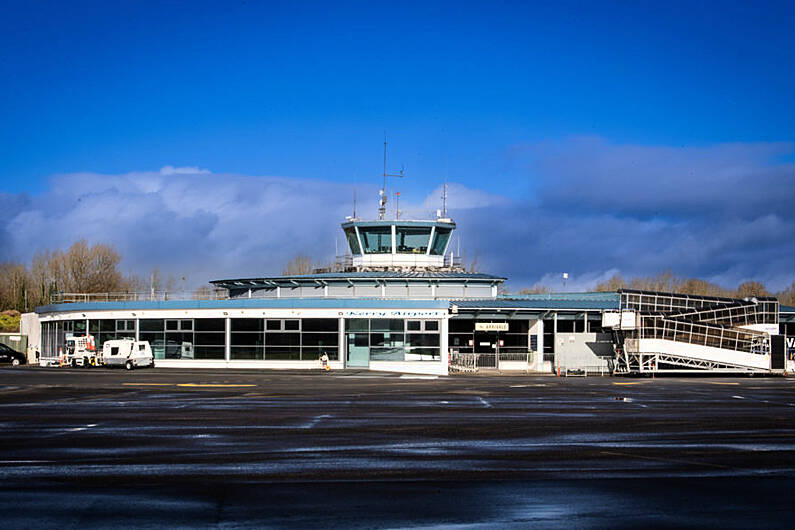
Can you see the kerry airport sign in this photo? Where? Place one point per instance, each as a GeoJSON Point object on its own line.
{"type": "Point", "coordinates": [491, 326]}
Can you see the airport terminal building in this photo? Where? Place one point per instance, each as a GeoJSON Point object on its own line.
{"type": "Point", "coordinates": [401, 302]}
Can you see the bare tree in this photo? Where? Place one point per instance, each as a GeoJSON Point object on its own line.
{"type": "Point", "coordinates": [536, 289]}
{"type": "Point", "coordinates": [300, 264]}
{"type": "Point", "coordinates": [613, 284]}
{"type": "Point", "coordinates": [751, 289]}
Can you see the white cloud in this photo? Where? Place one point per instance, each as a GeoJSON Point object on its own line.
{"type": "Point", "coordinates": [189, 170]}
{"type": "Point", "coordinates": [207, 226]}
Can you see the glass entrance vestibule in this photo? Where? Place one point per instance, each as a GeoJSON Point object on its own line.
{"type": "Point", "coordinates": [263, 339]}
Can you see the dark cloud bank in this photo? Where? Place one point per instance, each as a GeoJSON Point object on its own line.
{"type": "Point", "coordinates": [722, 213]}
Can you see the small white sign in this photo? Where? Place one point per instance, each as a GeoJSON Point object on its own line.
{"type": "Point", "coordinates": [491, 326]}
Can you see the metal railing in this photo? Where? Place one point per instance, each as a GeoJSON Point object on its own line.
{"type": "Point", "coordinates": [148, 296]}
{"type": "Point", "coordinates": [474, 362]}
{"type": "Point", "coordinates": [713, 335]}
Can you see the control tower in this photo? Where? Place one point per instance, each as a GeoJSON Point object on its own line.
{"type": "Point", "coordinates": [400, 245]}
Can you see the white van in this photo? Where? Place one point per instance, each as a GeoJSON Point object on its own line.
{"type": "Point", "coordinates": [129, 353]}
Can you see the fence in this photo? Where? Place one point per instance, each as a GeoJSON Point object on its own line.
{"type": "Point", "coordinates": [15, 341]}
{"type": "Point", "coordinates": [585, 371]}
{"type": "Point", "coordinates": [474, 362]}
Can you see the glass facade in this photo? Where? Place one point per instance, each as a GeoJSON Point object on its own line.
{"type": "Point", "coordinates": [393, 339]}
{"type": "Point", "coordinates": [261, 339]}
{"type": "Point", "coordinates": [377, 240]}
{"type": "Point", "coordinates": [411, 240]}
{"type": "Point", "coordinates": [284, 339]}
{"type": "Point", "coordinates": [353, 241]}
{"type": "Point", "coordinates": [201, 338]}
{"type": "Point", "coordinates": [440, 239]}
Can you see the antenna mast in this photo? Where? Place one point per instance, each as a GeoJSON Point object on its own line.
{"type": "Point", "coordinates": [382, 193]}
{"type": "Point", "coordinates": [444, 200]}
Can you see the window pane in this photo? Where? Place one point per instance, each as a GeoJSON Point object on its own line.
{"type": "Point", "coordinates": [320, 324]}
{"type": "Point", "coordinates": [357, 324]}
{"type": "Point", "coordinates": [149, 324]}
{"type": "Point", "coordinates": [386, 324]}
{"type": "Point", "coordinates": [186, 324]}
{"type": "Point", "coordinates": [440, 239]}
{"type": "Point", "coordinates": [274, 325]}
{"type": "Point", "coordinates": [413, 325]}
{"type": "Point", "coordinates": [291, 325]}
{"type": "Point", "coordinates": [422, 339]}
{"type": "Point", "coordinates": [386, 354]}
{"type": "Point", "coordinates": [246, 339]}
{"type": "Point", "coordinates": [353, 242]}
{"type": "Point", "coordinates": [247, 324]}
{"type": "Point", "coordinates": [208, 324]}
{"type": "Point", "coordinates": [431, 325]}
{"type": "Point", "coordinates": [247, 352]}
{"type": "Point", "coordinates": [411, 240]}
{"type": "Point", "coordinates": [209, 352]}
{"type": "Point", "coordinates": [282, 339]}
{"type": "Point", "coordinates": [319, 339]}
{"type": "Point", "coordinates": [283, 353]}
{"type": "Point", "coordinates": [172, 325]}
{"type": "Point", "coordinates": [210, 339]}
{"type": "Point", "coordinates": [377, 240]}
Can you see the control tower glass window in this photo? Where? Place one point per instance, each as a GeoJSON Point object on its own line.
{"type": "Point", "coordinates": [377, 240]}
{"type": "Point", "coordinates": [411, 240]}
{"type": "Point", "coordinates": [353, 241]}
{"type": "Point", "coordinates": [440, 241]}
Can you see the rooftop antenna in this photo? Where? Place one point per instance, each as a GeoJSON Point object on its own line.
{"type": "Point", "coordinates": [444, 200]}
{"type": "Point", "coordinates": [382, 193]}
{"type": "Point", "coordinates": [354, 201]}
{"type": "Point", "coordinates": [397, 205]}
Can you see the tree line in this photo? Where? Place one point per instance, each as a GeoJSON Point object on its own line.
{"type": "Point", "coordinates": [82, 268]}
{"type": "Point", "coordinates": [667, 281]}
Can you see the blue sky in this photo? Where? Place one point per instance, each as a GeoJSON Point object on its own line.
{"type": "Point", "coordinates": [674, 121]}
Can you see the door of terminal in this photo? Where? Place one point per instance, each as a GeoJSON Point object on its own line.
{"type": "Point", "coordinates": [358, 350]}
{"type": "Point", "coordinates": [485, 341]}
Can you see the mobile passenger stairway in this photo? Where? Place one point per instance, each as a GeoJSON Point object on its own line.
{"type": "Point", "coordinates": [668, 332]}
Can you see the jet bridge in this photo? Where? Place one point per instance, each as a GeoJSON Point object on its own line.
{"type": "Point", "coordinates": [669, 332]}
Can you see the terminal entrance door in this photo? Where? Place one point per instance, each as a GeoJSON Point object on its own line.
{"type": "Point", "coordinates": [358, 350]}
{"type": "Point", "coordinates": [485, 341]}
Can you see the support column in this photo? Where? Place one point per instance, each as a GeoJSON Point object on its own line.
{"type": "Point", "coordinates": [540, 344]}
{"type": "Point", "coordinates": [444, 326]}
{"type": "Point", "coordinates": [341, 342]}
{"type": "Point", "coordinates": [228, 339]}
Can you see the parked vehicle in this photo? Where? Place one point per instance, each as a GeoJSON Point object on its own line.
{"type": "Point", "coordinates": [81, 351]}
{"type": "Point", "coordinates": [129, 353]}
{"type": "Point", "coordinates": [11, 356]}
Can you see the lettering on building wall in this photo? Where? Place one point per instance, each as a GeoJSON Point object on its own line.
{"type": "Point", "coordinates": [491, 326]}
{"type": "Point", "coordinates": [392, 314]}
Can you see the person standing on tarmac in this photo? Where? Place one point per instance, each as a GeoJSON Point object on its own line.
{"type": "Point", "coordinates": [324, 361]}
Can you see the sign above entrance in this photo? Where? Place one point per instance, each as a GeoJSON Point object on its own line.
{"type": "Point", "coordinates": [491, 326]}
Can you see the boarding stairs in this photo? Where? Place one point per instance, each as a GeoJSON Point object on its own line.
{"type": "Point", "coordinates": [666, 332]}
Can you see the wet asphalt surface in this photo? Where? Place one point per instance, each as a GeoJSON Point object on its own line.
{"type": "Point", "coordinates": [197, 448]}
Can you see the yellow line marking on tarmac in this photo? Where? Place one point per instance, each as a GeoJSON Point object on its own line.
{"type": "Point", "coordinates": [721, 383]}
{"type": "Point", "coordinates": [210, 385]}
{"type": "Point", "coordinates": [632, 383]}
{"type": "Point", "coordinates": [149, 384]}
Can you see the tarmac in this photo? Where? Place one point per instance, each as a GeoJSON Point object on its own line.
{"type": "Point", "coordinates": [355, 449]}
